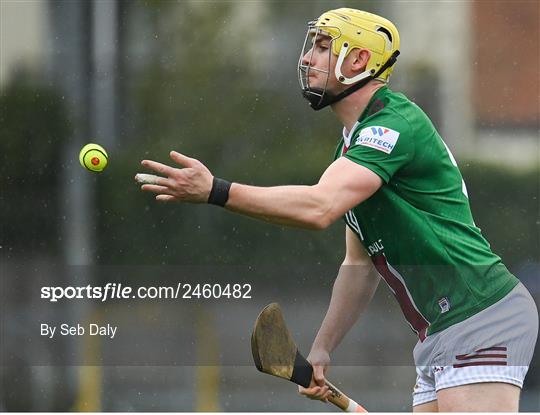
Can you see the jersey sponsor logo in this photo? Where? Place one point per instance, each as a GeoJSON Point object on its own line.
{"type": "Point", "coordinates": [379, 138]}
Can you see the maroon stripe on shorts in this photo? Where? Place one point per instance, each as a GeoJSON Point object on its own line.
{"type": "Point", "coordinates": [479, 356]}
{"type": "Point", "coordinates": [494, 363]}
{"type": "Point", "coordinates": [492, 349]}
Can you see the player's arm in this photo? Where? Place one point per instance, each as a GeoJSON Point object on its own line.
{"type": "Point", "coordinates": [343, 185]}
{"type": "Point", "coordinates": [353, 290]}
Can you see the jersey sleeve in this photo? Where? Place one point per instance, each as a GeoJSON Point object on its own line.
{"type": "Point", "coordinates": [383, 145]}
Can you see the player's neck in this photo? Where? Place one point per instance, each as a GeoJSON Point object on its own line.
{"type": "Point", "coordinates": [349, 109]}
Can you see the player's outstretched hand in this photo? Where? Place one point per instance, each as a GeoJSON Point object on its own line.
{"type": "Point", "coordinates": [190, 183]}
{"type": "Point", "coordinates": [320, 360]}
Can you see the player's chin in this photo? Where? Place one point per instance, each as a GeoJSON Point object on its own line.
{"type": "Point", "coordinates": [320, 85]}
{"type": "Point", "coordinates": [314, 83]}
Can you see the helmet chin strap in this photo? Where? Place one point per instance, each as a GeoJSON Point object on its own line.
{"type": "Point", "coordinates": [318, 98]}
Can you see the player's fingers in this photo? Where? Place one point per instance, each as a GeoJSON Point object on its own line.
{"type": "Point", "coordinates": [321, 392]}
{"type": "Point", "coordinates": [318, 375]}
{"type": "Point", "coordinates": [151, 179]}
{"type": "Point", "coordinates": [327, 394]}
{"type": "Point", "coordinates": [308, 391]}
{"type": "Point", "coordinates": [156, 189]}
{"type": "Point", "coordinates": [184, 160]}
{"type": "Point", "coordinates": [158, 167]}
{"type": "Point", "coordinates": [315, 392]}
{"type": "Point", "coordinates": [164, 198]}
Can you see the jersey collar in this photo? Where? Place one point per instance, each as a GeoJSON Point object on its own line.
{"type": "Point", "coordinates": [347, 135]}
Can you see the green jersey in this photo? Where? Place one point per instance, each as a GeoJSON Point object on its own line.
{"type": "Point", "coordinates": [418, 227]}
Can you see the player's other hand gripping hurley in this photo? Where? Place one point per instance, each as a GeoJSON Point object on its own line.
{"type": "Point", "coordinates": [191, 182]}
{"type": "Point", "coordinates": [318, 390]}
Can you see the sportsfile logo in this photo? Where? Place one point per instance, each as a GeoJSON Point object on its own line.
{"type": "Point", "coordinates": [379, 138]}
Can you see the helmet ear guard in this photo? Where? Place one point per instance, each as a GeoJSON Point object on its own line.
{"type": "Point", "coordinates": [342, 78]}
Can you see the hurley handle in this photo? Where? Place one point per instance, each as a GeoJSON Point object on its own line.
{"type": "Point", "coordinates": [342, 401]}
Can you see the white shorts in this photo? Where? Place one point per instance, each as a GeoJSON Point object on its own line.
{"type": "Point", "coordinates": [494, 345]}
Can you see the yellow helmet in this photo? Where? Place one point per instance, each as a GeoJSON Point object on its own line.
{"type": "Point", "coordinates": [350, 29]}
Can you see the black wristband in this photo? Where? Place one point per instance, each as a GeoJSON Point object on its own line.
{"type": "Point", "coordinates": [220, 192]}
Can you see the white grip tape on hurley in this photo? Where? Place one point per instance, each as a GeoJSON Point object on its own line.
{"type": "Point", "coordinates": [354, 407]}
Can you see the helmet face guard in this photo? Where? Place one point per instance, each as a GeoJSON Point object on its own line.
{"type": "Point", "coordinates": [316, 96]}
